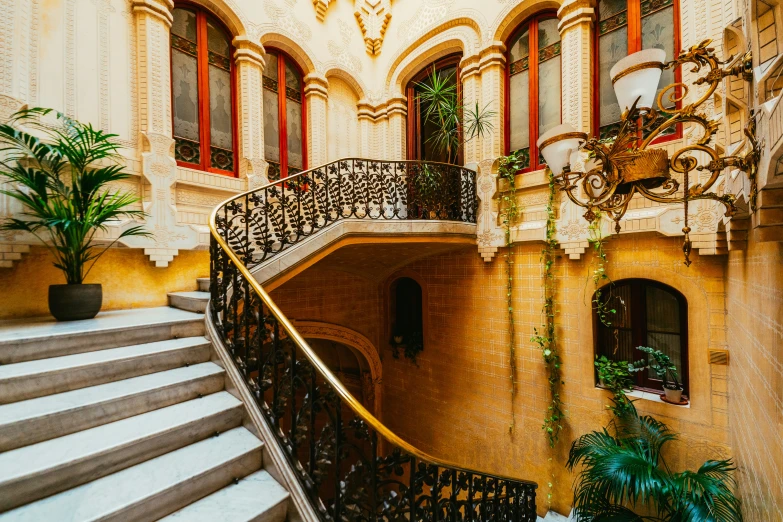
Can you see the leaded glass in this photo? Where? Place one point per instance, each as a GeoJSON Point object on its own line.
{"type": "Point", "coordinates": [612, 46]}
{"type": "Point", "coordinates": [548, 75]}
{"type": "Point", "coordinates": [184, 79]}
{"type": "Point", "coordinates": [519, 92]}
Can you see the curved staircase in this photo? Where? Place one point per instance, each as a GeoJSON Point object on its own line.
{"type": "Point", "coordinates": [125, 417]}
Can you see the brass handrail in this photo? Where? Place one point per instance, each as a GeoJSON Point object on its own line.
{"type": "Point", "coordinates": [316, 361]}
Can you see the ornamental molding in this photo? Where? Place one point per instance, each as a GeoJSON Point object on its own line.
{"type": "Point", "coordinates": [373, 17]}
{"type": "Point", "coordinates": [320, 8]}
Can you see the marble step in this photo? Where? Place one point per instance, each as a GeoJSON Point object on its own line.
{"type": "Point", "coordinates": [155, 488]}
{"type": "Point", "coordinates": [203, 284]}
{"type": "Point", "coordinates": [256, 498]}
{"type": "Point", "coordinates": [34, 472]}
{"type": "Point", "coordinates": [31, 339]}
{"type": "Point", "coordinates": [44, 418]}
{"type": "Point", "coordinates": [189, 301]}
{"type": "Point", "coordinates": [27, 380]}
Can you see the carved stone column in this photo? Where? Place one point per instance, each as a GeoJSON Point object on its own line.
{"type": "Point", "coordinates": [159, 169]}
{"type": "Point", "coordinates": [366, 129]}
{"type": "Point", "coordinates": [470, 76]}
{"type": "Point", "coordinates": [491, 68]}
{"type": "Point", "coordinates": [576, 35]}
{"type": "Point", "coordinates": [316, 97]}
{"type": "Point", "coordinates": [397, 111]}
{"type": "Point", "coordinates": [249, 61]}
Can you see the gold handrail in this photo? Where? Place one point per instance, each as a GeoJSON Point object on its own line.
{"type": "Point", "coordinates": [316, 361]}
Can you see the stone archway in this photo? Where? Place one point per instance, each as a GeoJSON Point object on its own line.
{"type": "Point", "coordinates": [357, 341]}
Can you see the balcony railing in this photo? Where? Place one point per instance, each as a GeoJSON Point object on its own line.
{"type": "Point", "coordinates": [351, 466]}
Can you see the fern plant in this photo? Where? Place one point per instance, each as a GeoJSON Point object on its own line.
{"type": "Point", "coordinates": [62, 179]}
{"type": "Point", "coordinates": [623, 469]}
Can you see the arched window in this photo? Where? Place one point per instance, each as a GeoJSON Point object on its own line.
{"type": "Point", "coordinates": [202, 84]}
{"type": "Point", "coordinates": [625, 27]}
{"type": "Point", "coordinates": [285, 116]}
{"type": "Point", "coordinates": [407, 321]}
{"type": "Point", "coordinates": [647, 313]}
{"type": "Point", "coordinates": [532, 86]}
{"type": "Point", "coordinates": [420, 130]}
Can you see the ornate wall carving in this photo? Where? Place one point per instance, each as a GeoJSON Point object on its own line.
{"type": "Point", "coordinates": [373, 17]}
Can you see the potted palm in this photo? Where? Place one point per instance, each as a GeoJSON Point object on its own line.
{"type": "Point", "coordinates": [665, 369]}
{"type": "Point", "coordinates": [623, 467]}
{"type": "Point", "coordinates": [61, 172]}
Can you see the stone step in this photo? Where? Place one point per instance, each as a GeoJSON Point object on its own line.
{"type": "Point", "coordinates": [256, 498]}
{"type": "Point", "coordinates": [27, 340]}
{"type": "Point", "coordinates": [33, 472]}
{"type": "Point", "coordinates": [189, 301]}
{"type": "Point", "coordinates": [27, 380]}
{"type": "Point", "coordinates": [155, 488]}
{"type": "Point", "coordinates": [44, 418]}
{"type": "Point", "coordinates": [203, 284]}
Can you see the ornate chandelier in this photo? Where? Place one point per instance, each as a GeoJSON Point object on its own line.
{"type": "Point", "coordinates": [623, 165]}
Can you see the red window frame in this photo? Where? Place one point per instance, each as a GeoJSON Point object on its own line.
{"type": "Point", "coordinates": [202, 61]}
{"type": "Point", "coordinates": [284, 58]}
{"type": "Point", "coordinates": [639, 329]}
{"type": "Point", "coordinates": [634, 23]}
{"type": "Point", "coordinates": [413, 142]}
{"type": "Point", "coordinates": [532, 24]}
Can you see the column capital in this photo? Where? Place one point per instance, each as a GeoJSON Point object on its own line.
{"type": "Point", "coordinates": [249, 51]}
{"type": "Point", "coordinates": [316, 84]}
{"type": "Point", "coordinates": [159, 8]}
{"type": "Point", "coordinates": [574, 12]}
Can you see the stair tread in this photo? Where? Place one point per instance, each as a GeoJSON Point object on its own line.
{"type": "Point", "coordinates": [192, 295]}
{"type": "Point", "coordinates": [141, 482]}
{"type": "Point", "coordinates": [252, 496]}
{"type": "Point", "coordinates": [102, 393]}
{"type": "Point", "coordinates": [41, 366]}
{"type": "Point", "coordinates": [80, 446]}
{"type": "Point", "coordinates": [47, 328]}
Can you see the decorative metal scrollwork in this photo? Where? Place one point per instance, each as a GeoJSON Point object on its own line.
{"type": "Point", "coordinates": [350, 465]}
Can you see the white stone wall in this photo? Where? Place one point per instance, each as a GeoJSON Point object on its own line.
{"type": "Point", "coordinates": [107, 62]}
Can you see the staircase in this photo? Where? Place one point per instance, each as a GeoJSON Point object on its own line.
{"type": "Point", "coordinates": [126, 417]}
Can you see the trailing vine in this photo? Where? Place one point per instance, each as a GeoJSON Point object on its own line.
{"type": "Point", "coordinates": [544, 337]}
{"type": "Point", "coordinates": [596, 240]}
{"type": "Point", "coordinates": [508, 167]}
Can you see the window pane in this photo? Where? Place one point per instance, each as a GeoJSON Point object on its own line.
{"type": "Point", "coordinates": [519, 101]}
{"type": "Point", "coordinates": [293, 112]}
{"type": "Point", "coordinates": [611, 48]}
{"type": "Point", "coordinates": [184, 78]}
{"type": "Point", "coordinates": [431, 149]}
{"type": "Point", "coordinates": [658, 32]}
{"type": "Point", "coordinates": [669, 344]}
{"type": "Point", "coordinates": [221, 132]}
{"type": "Point", "coordinates": [609, 8]}
{"type": "Point", "coordinates": [663, 311]}
{"type": "Point", "coordinates": [271, 119]}
{"type": "Point", "coordinates": [548, 75]}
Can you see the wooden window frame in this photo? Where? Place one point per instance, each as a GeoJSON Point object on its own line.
{"type": "Point", "coordinates": [634, 24]}
{"type": "Point", "coordinates": [639, 331]}
{"type": "Point", "coordinates": [202, 71]}
{"type": "Point", "coordinates": [284, 58]}
{"type": "Point", "coordinates": [413, 144]}
{"type": "Point", "coordinates": [531, 24]}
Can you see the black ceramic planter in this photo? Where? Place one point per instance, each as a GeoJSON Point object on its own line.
{"type": "Point", "coordinates": [74, 302]}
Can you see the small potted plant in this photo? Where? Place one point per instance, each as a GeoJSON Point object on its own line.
{"type": "Point", "coordinates": [666, 370]}
{"type": "Point", "coordinates": [614, 374]}
{"type": "Point", "coordinates": [61, 172]}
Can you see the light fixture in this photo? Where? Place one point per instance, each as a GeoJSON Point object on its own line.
{"type": "Point", "coordinates": [624, 164]}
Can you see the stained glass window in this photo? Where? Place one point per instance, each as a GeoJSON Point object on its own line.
{"type": "Point", "coordinates": [534, 88]}
{"type": "Point", "coordinates": [202, 91]}
{"type": "Point", "coordinates": [284, 145]}
{"type": "Point", "coordinates": [644, 313]}
{"type": "Point", "coordinates": [625, 27]}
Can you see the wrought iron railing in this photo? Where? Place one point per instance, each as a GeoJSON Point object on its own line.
{"type": "Point", "coordinates": [351, 466]}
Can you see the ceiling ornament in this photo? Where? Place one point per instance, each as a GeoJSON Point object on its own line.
{"type": "Point", "coordinates": [320, 8]}
{"type": "Point", "coordinates": [373, 17]}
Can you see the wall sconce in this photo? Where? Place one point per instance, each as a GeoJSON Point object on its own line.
{"type": "Point", "coordinates": [623, 165]}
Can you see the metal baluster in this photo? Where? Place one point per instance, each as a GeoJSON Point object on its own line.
{"type": "Point", "coordinates": [483, 505]}
{"type": "Point", "coordinates": [454, 504]}
{"type": "Point", "coordinates": [531, 511]}
{"type": "Point", "coordinates": [470, 498]}
{"type": "Point", "coordinates": [374, 475]}
{"type": "Point", "coordinates": [435, 497]}
{"type": "Point", "coordinates": [338, 440]}
{"type": "Point", "coordinates": [293, 426]}
{"type": "Point", "coordinates": [234, 300]}
{"type": "Point", "coordinates": [275, 377]}
{"type": "Point", "coordinates": [496, 500]}
{"type": "Point", "coordinates": [412, 491]}
{"type": "Point", "coordinates": [246, 304]}
{"type": "Point", "coordinates": [506, 501]}
{"type": "Point", "coordinates": [311, 395]}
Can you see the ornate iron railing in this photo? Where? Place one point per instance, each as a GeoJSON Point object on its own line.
{"type": "Point", "coordinates": [262, 223]}
{"type": "Point", "coordinates": [351, 466]}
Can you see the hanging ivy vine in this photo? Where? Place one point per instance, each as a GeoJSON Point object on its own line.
{"type": "Point", "coordinates": [600, 304]}
{"type": "Point", "coordinates": [508, 166]}
{"type": "Point", "coordinates": [544, 336]}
